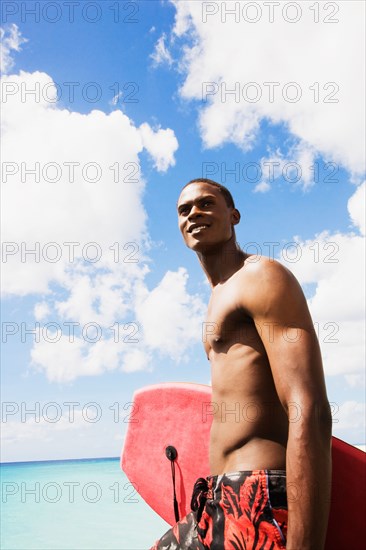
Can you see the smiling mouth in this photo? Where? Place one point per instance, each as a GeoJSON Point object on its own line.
{"type": "Point", "coordinates": [198, 228]}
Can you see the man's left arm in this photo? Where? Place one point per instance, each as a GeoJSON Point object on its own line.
{"type": "Point", "coordinates": [286, 329]}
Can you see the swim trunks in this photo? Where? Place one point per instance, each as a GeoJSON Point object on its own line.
{"type": "Point", "coordinates": [245, 510]}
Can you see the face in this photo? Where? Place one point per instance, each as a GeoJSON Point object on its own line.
{"type": "Point", "coordinates": [204, 218]}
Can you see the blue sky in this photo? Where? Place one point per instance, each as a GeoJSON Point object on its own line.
{"type": "Point", "coordinates": [174, 60]}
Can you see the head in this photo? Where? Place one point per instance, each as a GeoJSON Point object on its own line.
{"type": "Point", "coordinates": [206, 215]}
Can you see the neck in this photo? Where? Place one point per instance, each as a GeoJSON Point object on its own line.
{"type": "Point", "coordinates": [220, 264]}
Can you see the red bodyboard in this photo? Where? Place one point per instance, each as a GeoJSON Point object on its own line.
{"type": "Point", "coordinates": [180, 414]}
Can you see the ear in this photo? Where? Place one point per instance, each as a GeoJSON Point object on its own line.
{"type": "Point", "coordinates": [235, 216]}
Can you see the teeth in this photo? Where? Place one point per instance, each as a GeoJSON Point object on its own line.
{"type": "Point", "coordinates": [198, 227]}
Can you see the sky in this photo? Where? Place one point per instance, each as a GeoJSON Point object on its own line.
{"type": "Point", "coordinates": [108, 109]}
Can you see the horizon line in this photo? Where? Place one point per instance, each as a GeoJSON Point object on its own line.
{"type": "Point", "coordinates": [59, 460]}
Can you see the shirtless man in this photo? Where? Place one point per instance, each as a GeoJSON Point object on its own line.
{"type": "Point", "coordinates": [271, 416]}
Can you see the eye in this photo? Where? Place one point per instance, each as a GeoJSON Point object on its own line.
{"type": "Point", "coordinates": [206, 203]}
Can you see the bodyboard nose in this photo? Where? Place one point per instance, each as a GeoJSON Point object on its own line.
{"type": "Point", "coordinates": [173, 414]}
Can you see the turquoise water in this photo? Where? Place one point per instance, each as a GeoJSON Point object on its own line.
{"type": "Point", "coordinates": [72, 505]}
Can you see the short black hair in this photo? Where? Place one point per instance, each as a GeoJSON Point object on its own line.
{"type": "Point", "coordinates": [225, 192]}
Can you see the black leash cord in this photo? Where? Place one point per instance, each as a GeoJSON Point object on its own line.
{"type": "Point", "coordinates": [176, 511]}
{"type": "Point", "coordinates": [171, 453]}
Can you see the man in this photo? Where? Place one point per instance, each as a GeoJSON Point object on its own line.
{"type": "Point", "coordinates": [271, 428]}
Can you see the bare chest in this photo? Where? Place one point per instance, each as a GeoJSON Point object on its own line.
{"type": "Point", "coordinates": [226, 323]}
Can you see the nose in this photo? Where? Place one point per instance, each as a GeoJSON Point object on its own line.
{"type": "Point", "coordinates": [195, 211]}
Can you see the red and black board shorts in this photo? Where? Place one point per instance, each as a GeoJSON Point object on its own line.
{"type": "Point", "coordinates": [245, 510]}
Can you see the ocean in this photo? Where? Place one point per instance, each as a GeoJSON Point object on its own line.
{"type": "Point", "coordinates": [74, 505]}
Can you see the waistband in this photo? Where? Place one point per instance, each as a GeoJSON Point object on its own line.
{"type": "Point", "coordinates": [273, 478]}
{"type": "Point", "coordinates": [210, 486]}
{"type": "Point", "coordinates": [215, 478]}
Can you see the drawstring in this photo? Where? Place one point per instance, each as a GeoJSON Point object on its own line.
{"type": "Point", "coordinates": [171, 453]}
{"type": "Point", "coordinates": [199, 496]}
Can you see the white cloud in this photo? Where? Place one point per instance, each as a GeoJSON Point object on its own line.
{"type": "Point", "coordinates": [161, 145]}
{"type": "Point", "coordinates": [296, 167]}
{"type": "Point", "coordinates": [105, 324]}
{"type": "Point", "coordinates": [66, 359]}
{"type": "Point", "coordinates": [262, 187]}
{"type": "Point", "coordinates": [116, 98]}
{"type": "Point", "coordinates": [87, 187]}
{"type": "Point", "coordinates": [161, 53]}
{"type": "Point", "coordinates": [40, 426]}
{"type": "Point", "coordinates": [88, 231]}
{"type": "Point", "coordinates": [356, 207]}
{"type": "Point", "coordinates": [59, 430]}
{"type": "Point", "coordinates": [355, 380]}
{"type": "Point", "coordinates": [221, 55]}
{"type": "Point", "coordinates": [41, 311]}
{"type": "Point", "coordinates": [11, 40]}
{"type": "Point", "coordinates": [62, 361]}
{"type": "Point", "coordinates": [171, 318]}
{"type": "Point", "coordinates": [136, 360]}
{"type": "Point", "coordinates": [335, 262]}
{"type": "Point", "coordinates": [99, 297]}
{"type": "Point", "coordinates": [102, 199]}
{"type": "Point", "coordinates": [84, 340]}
